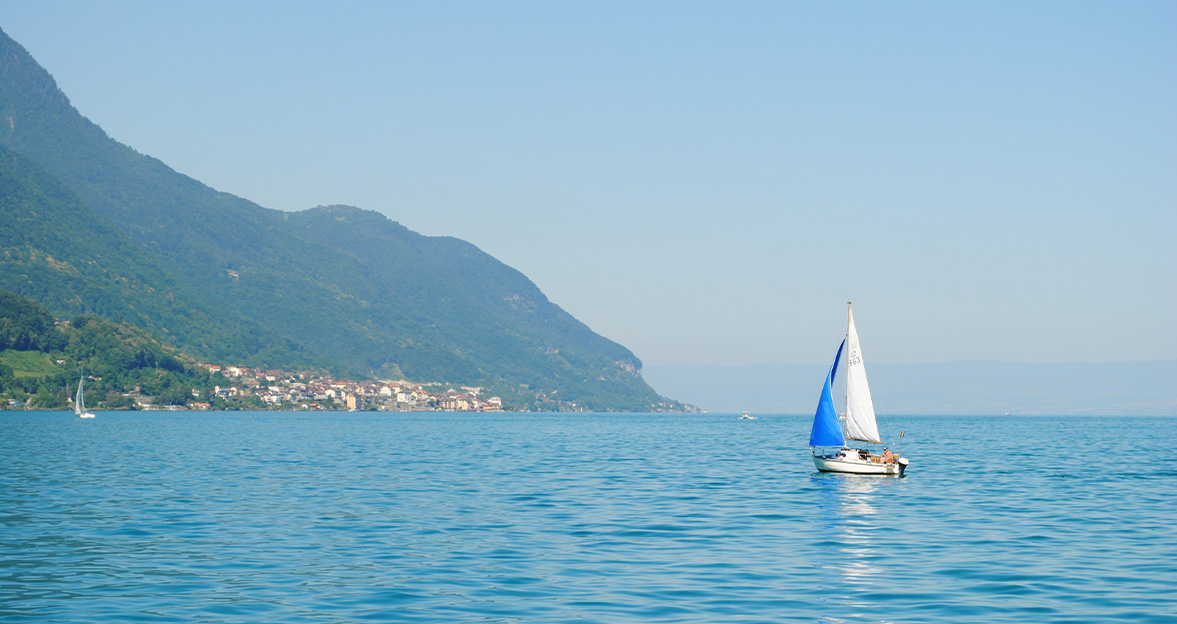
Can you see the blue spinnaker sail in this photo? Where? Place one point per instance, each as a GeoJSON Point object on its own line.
{"type": "Point", "coordinates": [826, 431]}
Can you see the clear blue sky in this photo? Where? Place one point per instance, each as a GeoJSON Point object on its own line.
{"type": "Point", "coordinates": [705, 183]}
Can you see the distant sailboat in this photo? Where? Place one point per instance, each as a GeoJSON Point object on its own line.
{"type": "Point", "coordinates": [80, 401]}
{"type": "Point", "coordinates": [857, 424]}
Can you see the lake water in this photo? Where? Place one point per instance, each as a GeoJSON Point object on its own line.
{"type": "Point", "coordinates": [442, 517]}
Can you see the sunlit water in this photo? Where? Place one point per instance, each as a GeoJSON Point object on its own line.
{"type": "Point", "coordinates": [435, 517]}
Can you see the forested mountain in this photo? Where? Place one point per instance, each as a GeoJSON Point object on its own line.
{"type": "Point", "coordinates": [226, 279]}
{"type": "Point", "coordinates": [57, 250]}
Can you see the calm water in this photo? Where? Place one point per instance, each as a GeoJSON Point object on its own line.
{"type": "Point", "coordinates": [264, 517]}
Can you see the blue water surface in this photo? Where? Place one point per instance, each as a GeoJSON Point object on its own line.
{"type": "Point", "coordinates": [442, 517]}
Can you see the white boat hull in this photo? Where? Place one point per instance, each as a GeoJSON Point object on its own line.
{"type": "Point", "coordinates": [850, 461]}
{"type": "Point", "coordinates": [85, 415]}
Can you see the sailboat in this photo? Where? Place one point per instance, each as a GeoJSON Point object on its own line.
{"type": "Point", "coordinates": [830, 433]}
{"type": "Point", "coordinates": [80, 401]}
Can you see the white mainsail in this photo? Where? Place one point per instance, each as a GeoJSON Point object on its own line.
{"type": "Point", "coordinates": [860, 410]}
{"type": "Point", "coordinates": [79, 400]}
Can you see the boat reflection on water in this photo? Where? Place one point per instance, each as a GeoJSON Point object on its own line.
{"type": "Point", "coordinates": [848, 518]}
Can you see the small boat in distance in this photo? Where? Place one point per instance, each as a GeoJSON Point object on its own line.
{"type": "Point", "coordinates": [80, 401]}
{"type": "Point", "coordinates": [747, 416]}
{"type": "Point", "coordinates": [858, 422]}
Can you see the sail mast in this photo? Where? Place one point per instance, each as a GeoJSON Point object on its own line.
{"type": "Point", "coordinates": [846, 382]}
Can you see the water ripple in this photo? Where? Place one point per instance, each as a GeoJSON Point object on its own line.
{"type": "Point", "coordinates": [262, 517]}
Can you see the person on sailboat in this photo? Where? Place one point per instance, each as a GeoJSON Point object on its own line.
{"type": "Point", "coordinates": [888, 458]}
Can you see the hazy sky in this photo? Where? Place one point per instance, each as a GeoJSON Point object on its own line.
{"type": "Point", "coordinates": [705, 183]}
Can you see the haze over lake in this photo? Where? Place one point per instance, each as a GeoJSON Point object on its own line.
{"type": "Point", "coordinates": [1108, 388]}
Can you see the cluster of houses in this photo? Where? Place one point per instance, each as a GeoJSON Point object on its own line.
{"type": "Point", "coordinates": [285, 390]}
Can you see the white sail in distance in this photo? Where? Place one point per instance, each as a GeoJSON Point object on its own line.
{"type": "Point", "coordinates": [860, 410]}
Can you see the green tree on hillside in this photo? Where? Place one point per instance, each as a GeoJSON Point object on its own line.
{"type": "Point", "coordinates": [26, 326]}
{"type": "Point", "coordinates": [116, 358]}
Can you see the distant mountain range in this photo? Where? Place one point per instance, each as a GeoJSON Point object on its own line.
{"type": "Point", "coordinates": [951, 388]}
{"type": "Point", "coordinates": [87, 224]}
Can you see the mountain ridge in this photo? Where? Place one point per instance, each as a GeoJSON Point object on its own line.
{"type": "Point", "coordinates": [373, 298]}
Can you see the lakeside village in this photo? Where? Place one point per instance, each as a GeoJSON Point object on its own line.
{"type": "Point", "coordinates": [255, 388]}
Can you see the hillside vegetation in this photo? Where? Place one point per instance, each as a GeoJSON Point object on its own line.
{"type": "Point", "coordinates": [41, 361]}
{"type": "Point", "coordinates": [57, 250]}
